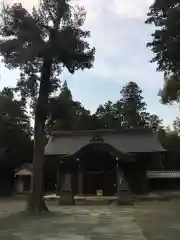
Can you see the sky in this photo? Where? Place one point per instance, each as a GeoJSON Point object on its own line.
{"type": "Point", "coordinates": [119, 34]}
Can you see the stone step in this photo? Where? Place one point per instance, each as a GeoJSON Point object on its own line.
{"type": "Point", "coordinates": [93, 202]}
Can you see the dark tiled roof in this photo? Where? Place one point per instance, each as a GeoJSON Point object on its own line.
{"type": "Point", "coordinates": [102, 132]}
{"type": "Point", "coordinates": [127, 141]}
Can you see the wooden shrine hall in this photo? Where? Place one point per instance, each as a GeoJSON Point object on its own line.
{"type": "Point", "coordinates": [93, 161]}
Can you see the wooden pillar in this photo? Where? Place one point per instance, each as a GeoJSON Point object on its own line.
{"type": "Point", "coordinates": [80, 179]}
{"type": "Point", "coordinates": [31, 184]}
{"type": "Point", "coordinates": [161, 160]}
{"type": "Point", "coordinates": [118, 176]}
{"type": "Point", "coordinates": [58, 180]}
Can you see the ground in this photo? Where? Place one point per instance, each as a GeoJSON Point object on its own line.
{"type": "Point", "coordinates": [148, 220]}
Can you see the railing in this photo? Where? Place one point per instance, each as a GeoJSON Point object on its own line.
{"type": "Point", "coordinates": [163, 174]}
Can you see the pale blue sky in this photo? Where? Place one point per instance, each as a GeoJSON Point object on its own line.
{"type": "Point", "coordinates": [119, 34]}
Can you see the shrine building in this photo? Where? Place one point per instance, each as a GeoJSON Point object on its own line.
{"type": "Point", "coordinates": [99, 160]}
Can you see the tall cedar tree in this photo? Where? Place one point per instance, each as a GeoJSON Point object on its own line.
{"type": "Point", "coordinates": [66, 114]}
{"type": "Point", "coordinates": [165, 15]}
{"type": "Point", "coordinates": [133, 105]}
{"type": "Point", "coordinates": [41, 44]}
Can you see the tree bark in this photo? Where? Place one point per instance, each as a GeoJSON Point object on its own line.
{"type": "Point", "coordinates": [36, 201]}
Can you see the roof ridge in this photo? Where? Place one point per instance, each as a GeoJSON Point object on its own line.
{"type": "Point", "coordinates": [101, 131]}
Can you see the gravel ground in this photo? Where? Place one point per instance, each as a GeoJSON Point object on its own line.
{"type": "Point", "coordinates": [143, 221]}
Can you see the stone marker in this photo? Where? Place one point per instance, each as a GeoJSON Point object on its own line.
{"type": "Point", "coordinates": [66, 193]}
{"type": "Point", "coordinates": [124, 195]}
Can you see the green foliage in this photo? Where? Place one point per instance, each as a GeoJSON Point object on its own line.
{"type": "Point", "coordinates": [66, 114]}
{"type": "Point", "coordinates": [128, 112]}
{"type": "Point", "coordinates": [13, 116]}
{"type": "Point", "coordinates": [14, 121]}
{"type": "Point", "coordinates": [109, 115]}
{"type": "Point", "coordinates": [155, 122]}
{"type": "Point", "coordinates": [53, 32]}
{"type": "Point", "coordinates": [165, 15]}
{"type": "Point", "coordinates": [171, 90]}
{"type": "Point", "coordinates": [176, 126]}
{"type": "Point", "coordinates": [133, 105]}
{"type": "Point", "coordinates": [15, 138]}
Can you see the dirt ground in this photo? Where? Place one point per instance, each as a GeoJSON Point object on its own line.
{"type": "Point", "coordinates": [149, 220]}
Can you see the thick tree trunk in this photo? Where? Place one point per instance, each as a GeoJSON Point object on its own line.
{"type": "Point", "coordinates": [36, 201]}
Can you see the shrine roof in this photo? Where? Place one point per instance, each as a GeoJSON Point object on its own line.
{"type": "Point", "coordinates": [27, 166]}
{"type": "Point", "coordinates": [101, 132]}
{"type": "Point", "coordinates": [124, 140]}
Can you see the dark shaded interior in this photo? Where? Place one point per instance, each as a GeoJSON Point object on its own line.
{"type": "Point", "coordinates": [98, 164]}
{"type": "Point", "coordinates": [99, 172]}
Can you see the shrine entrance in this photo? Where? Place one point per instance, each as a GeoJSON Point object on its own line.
{"type": "Point", "coordinates": [96, 167]}
{"type": "Point", "coordinates": [99, 173]}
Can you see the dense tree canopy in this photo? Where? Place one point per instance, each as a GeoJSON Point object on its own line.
{"type": "Point", "coordinates": [128, 112]}
{"type": "Point", "coordinates": [107, 115]}
{"type": "Point", "coordinates": [13, 116]}
{"type": "Point", "coordinates": [176, 125]}
{"type": "Point", "coordinates": [15, 138]}
{"type": "Point", "coordinates": [165, 15]}
{"type": "Point", "coordinates": [66, 114]}
{"type": "Point", "coordinates": [171, 90]}
{"type": "Point", "coordinates": [165, 44]}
